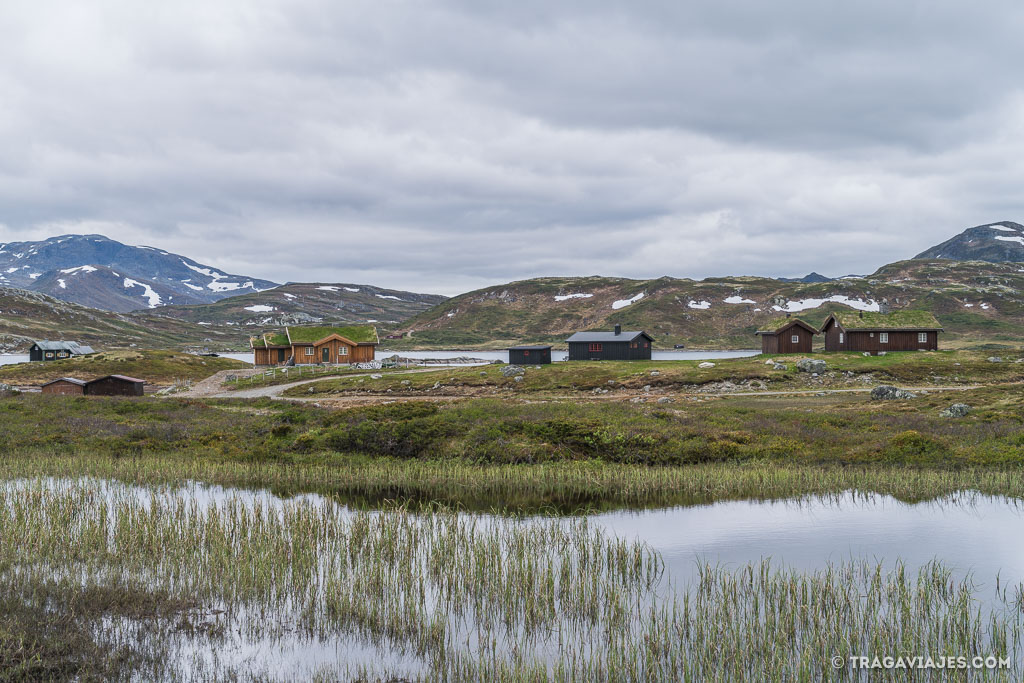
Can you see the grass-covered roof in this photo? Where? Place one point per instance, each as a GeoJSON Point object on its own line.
{"type": "Point", "coordinates": [776, 324]}
{"type": "Point", "coordinates": [360, 334]}
{"type": "Point", "coordinates": [896, 320]}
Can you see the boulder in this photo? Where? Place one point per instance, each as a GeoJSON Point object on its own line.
{"type": "Point", "coordinates": [956, 410]}
{"type": "Point", "coordinates": [706, 364]}
{"type": "Point", "coordinates": [811, 365]}
{"type": "Point", "coordinates": [406, 382]}
{"type": "Point", "coordinates": [769, 362]}
{"type": "Point", "coordinates": [517, 378]}
{"type": "Point", "coordinates": [779, 366]}
{"type": "Point", "coordinates": [666, 399]}
{"type": "Point", "coordinates": [654, 373]}
{"type": "Point", "coordinates": [995, 359]}
{"type": "Point", "coordinates": [376, 376]}
{"type": "Point", "coordinates": [512, 371]}
{"type": "Point", "coordinates": [890, 393]}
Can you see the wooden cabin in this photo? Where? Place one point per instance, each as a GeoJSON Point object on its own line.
{"type": "Point", "coordinates": [529, 355]}
{"type": "Point", "coordinates": [876, 332]}
{"type": "Point", "coordinates": [65, 386]}
{"type": "Point", "coordinates": [615, 345]}
{"type": "Point", "coordinates": [115, 385]}
{"type": "Point", "coordinates": [46, 350]}
{"type": "Point", "coordinates": [310, 345]}
{"type": "Point", "coordinates": [786, 335]}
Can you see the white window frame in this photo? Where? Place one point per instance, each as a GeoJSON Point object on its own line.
{"type": "Point", "coordinates": [310, 351]}
{"type": "Point", "coordinates": [883, 337]}
{"type": "Point", "coordinates": [795, 339]}
{"type": "Point", "coordinates": [343, 350]}
{"type": "Point", "coordinates": [841, 337]}
{"type": "Point", "coordinates": [922, 337]}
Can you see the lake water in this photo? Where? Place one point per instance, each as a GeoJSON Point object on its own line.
{"type": "Point", "coordinates": [668, 354]}
{"type": "Point", "coordinates": [12, 358]}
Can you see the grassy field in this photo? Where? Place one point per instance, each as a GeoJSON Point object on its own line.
{"type": "Point", "coordinates": [156, 367]}
{"type": "Point", "coordinates": [949, 368]}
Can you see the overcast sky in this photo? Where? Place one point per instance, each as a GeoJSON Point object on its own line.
{"type": "Point", "coordinates": [442, 146]}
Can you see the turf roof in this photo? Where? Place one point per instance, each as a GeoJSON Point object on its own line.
{"type": "Point", "coordinates": [360, 334]}
{"type": "Point", "coordinates": [776, 324]}
{"type": "Point", "coordinates": [897, 320]}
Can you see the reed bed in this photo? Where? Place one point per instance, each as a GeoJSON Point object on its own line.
{"type": "Point", "coordinates": [439, 595]}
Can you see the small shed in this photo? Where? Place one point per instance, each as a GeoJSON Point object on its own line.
{"type": "Point", "coordinates": [615, 345]}
{"type": "Point", "coordinates": [115, 385]}
{"type": "Point", "coordinates": [786, 335]}
{"type": "Point", "coordinates": [46, 350]}
{"type": "Point", "coordinates": [529, 355]}
{"type": "Point", "coordinates": [65, 386]}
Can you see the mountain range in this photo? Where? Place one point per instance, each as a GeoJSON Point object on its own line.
{"type": "Point", "coordinates": [973, 282]}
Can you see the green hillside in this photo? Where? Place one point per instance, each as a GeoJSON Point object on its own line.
{"type": "Point", "coordinates": [977, 303]}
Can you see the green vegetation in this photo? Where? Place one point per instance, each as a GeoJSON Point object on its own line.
{"type": "Point", "coordinates": [845, 370]}
{"type": "Point", "coordinates": [896, 320]}
{"type": "Point", "coordinates": [156, 367]}
{"type": "Point", "coordinates": [356, 333]}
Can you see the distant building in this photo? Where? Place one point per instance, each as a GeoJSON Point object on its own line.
{"type": "Point", "coordinates": [111, 385]}
{"type": "Point", "coordinates": [115, 385]}
{"type": "Point", "coordinates": [615, 345]}
{"type": "Point", "coordinates": [308, 345]}
{"type": "Point", "coordinates": [529, 355]}
{"type": "Point", "coordinates": [875, 332]}
{"type": "Point", "coordinates": [65, 386]}
{"type": "Point", "coordinates": [57, 350]}
{"type": "Point", "coordinates": [786, 335]}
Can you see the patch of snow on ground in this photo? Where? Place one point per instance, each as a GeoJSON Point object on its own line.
{"type": "Point", "coordinates": [290, 296]}
{"type": "Point", "coordinates": [189, 284]}
{"type": "Point", "coordinates": [34, 275]}
{"type": "Point", "coordinates": [11, 270]}
{"type": "Point", "coordinates": [757, 309]}
{"type": "Point", "coordinates": [564, 297]}
{"type": "Point", "coordinates": [351, 289]}
{"type": "Point", "coordinates": [328, 288]}
{"type": "Point", "coordinates": [83, 269]}
{"type": "Point", "coordinates": [737, 300]}
{"type": "Point", "coordinates": [148, 292]}
{"type": "Point", "coordinates": [702, 305]}
{"type": "Point", "coordinates": [204, 323]}
{"type": "Point", "coordinates": [1017, 239]}
{"type": "Point", "coordinates": [997, 226]}
{"type": "Point", "coordinates": [622, 303]}
{"type": "Point", "coordinates": [805, 304]}
{"type": "Point", "coordinates": [985, 306]}
{"type": "Point", "coordinates": [260, 308]}
{"type": "Point", "coordinates": [63, 285]}
{"type": "Point", "coordinates": [968, 305]}
{"type": "Point", "coordinates": [387, 296]}
{"type": "Point", "coordinates": [219, 286]}
{"type": "Point", "coordinates": [451, 314]}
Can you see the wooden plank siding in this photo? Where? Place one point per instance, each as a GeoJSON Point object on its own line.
{"type": "Point", "coordinates": [870, 341]}
{"type": "Point", "coordinates": [63, 387]}
{"type": "Point", "coordinates": [639, 349]}
{"type": "Point", "coordinates": [783, 341]}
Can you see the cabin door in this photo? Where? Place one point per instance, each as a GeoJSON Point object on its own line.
{"type": "Point", "coordinates": [280, 355]}
{"type": "Point", "coordinates": [326, 353]}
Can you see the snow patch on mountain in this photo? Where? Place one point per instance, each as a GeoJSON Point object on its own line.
{"type": "Point", "coordinates": [63, 285]}
{"type": "Point", "coordinates": [997, 226]}
{"type": "Point", "coordinates": [622, 303]}
{"type": "Point", "coordinates": [701, 305]}
{"type": "Point", "coordinates": [737, 300]}
{"type": "Point", "coordinates": [387, 296]}
{"type": "Point", "coordinates": [79, 269]}
{"type": "Point", "coordinates": [147, 291]}
{"type": "Point", "coordinates": [564, 297]}
{"type": "Point", "coordinates": [1019, 240]}
{"type": "Point", "coordinates": [328, 288]}
{"type": "Point", "coordinates": [351, 289]}
{"type": "Point", "coordinates": [260, 308]}
{"type": "Point", "coordinates": [805, 304]}
{"type": "Point", "coordinates": [287, 295]}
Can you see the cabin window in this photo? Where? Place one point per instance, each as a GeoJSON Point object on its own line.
{"type": "Point", "coordinates": [634, 345]}
{"type": "Point", "coordinates": [840, 337]}
{"type": "Point", "coordinates": [49, 355]}
{"type": "Point", "coordinates": [342, 350]}
{"type": "Point", "coordinates": [309, 350]}
{"type": "Point", "coordinates": [922, 337]}
{"type": "Point", "coordinates": [883, 337]}
{"type": "Point", "coordinates": [594, 346]}
{"type": "Point", "coordinates": [871, 334]}
{"type": "Point", "coordinates": [795, 339]}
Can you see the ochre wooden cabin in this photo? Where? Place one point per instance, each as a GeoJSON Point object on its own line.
{"type": "Point", "coordinates": [877, 332]}
{"type": "Point", "coordinates": [309, 345]}
{"type": "Point", "coordinates": [786, 335]}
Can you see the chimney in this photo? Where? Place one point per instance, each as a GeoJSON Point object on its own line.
{"type": "Point", "coordinates": [788, 314]}
{"type": "Point", "coordinates": [860, 314]}
{"type": "Point", "coordinates": [883, 307]}
{"type": "Point", "coordinates": [618, 330]}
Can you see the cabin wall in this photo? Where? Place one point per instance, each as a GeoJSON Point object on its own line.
{"type": "Point", "coordinates": [529, 357]}
{"type": "Point", "coordinates": [769, 343]}
{"type": "Point", "coordinates": [615, 350]}
{"type": "Point", "coordinates": [803, 344]}
{"type": "Point", "coordinates": [898, 341]}
{"type": "Point", "coordinates": [64, 389]}
{"type": "Point", "coordinates": [112, 386]}
{"type": "Point", "coordinates": [832, 342]}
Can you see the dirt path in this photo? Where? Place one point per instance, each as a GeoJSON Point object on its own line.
{"type": "Point", "coordinates": [211, 387]}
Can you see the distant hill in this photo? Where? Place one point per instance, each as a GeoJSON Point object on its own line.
{"type": "Point", "coordinates": [309, 302]}
{"type": "Point", "coordinates": [977, 302]}
{"type": "Point", "coordinates": [103, 273]}
{"type": "Point", "coordinates": [26, 316]}
{"type": "Point", "coordinates": [810, 277]}
{"type": "Point", "coordinates": [995, 242]}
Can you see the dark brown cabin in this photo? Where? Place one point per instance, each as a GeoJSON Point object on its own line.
{"type": "Point", "coordinates": [786, 335]}
{"type": "Point", "coordinates": [313, 345]}
{"type": "Point", "coordinates": [529, 355]}
{"type": "Point", "coordinates": [615, 345]}
{"type": "Point", "coordinates": [115, 385]}
{"type": "Point", "coordinates": [877, 332]}
{"type": "Point", "coordinates": [65, 386]}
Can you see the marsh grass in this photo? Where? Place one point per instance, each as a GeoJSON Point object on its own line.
{"type": "Point", "coordinates": [468, 598]}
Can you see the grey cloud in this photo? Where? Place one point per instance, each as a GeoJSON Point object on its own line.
{"type": "Point", "coordinates": [447, 145]}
